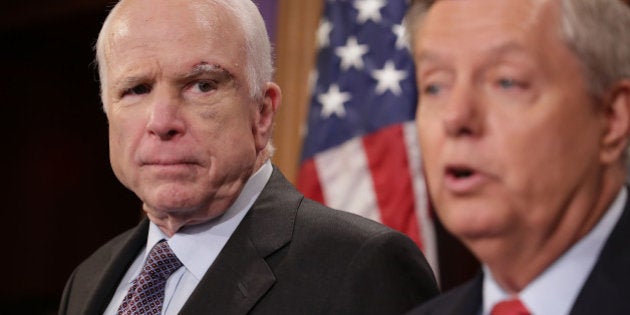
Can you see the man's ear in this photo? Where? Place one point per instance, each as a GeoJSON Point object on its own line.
{"type": "Point", "coordinates": [264, 118]}
{"type": "Point", "coordinates": [615, 138]}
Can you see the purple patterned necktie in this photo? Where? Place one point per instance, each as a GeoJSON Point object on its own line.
{"type": "Point", "coordinates": [146, 294]}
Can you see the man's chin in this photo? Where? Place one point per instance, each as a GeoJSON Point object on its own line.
{"type": "Point", "coordinates": [473, 223]}
{"type": "Point", "coordinates": [171, 208]}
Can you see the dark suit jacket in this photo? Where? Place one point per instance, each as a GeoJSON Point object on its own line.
{"type": "Point", "coordinates": [289, 255]}
{"type": "Point", "coordinates": [604, 292]}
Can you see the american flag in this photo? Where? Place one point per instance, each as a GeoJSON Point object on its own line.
{"type": "Point", "coordinates": [360, 150]}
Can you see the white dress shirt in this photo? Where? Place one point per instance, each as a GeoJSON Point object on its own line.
{"type": "Point", "coordinates": [196, 247]}
{"type": "Point", "coordinates": [555, 290]}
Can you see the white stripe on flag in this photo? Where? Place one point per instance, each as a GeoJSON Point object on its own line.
{"type": "Point", "coordinates": [346, 181]}
{"type": "Point", "coordinates": [425, 222]}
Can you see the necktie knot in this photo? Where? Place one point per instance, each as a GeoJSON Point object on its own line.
{"type": "Point", "coordinates": [510, 307]}
{"type": "Point", "coordinates": [161, 262]}
{"type": "Point", "coordinates": [146, 294]}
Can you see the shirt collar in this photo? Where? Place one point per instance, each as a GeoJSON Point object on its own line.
{"type": "Point", "coordinates": [555, 290]}
{"type": "Point", "coordinates": [198, 246]}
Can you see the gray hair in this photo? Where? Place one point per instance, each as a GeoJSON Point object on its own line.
{"type": "Point", "coordinates": [259, 64]}
{"type": "Point", "coordinates": [259, 61]}
{"type": "Point", "coordinates": [597, 31]}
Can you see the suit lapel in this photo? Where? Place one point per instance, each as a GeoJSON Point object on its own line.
{"type": "Point", "coordinates": [605, 289]}
{"type": "Point", "coordinates": [233, 284]}
{"type": "Point", "coordinates": [115, 269]}
{"type": "Point", "coordinates": [241, 276]}
{"type": "Point", "coordinates": [470, 299]}
{"type": "Point", "coordinates": [464, 299]}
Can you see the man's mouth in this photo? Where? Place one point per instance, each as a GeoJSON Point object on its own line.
{"type": "Point", "coordinates": [459, 172]}
{"type": "Point", "coordinates": [463, 179]}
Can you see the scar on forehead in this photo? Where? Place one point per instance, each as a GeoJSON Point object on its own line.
{"type": "Point", "coordinates": [204, 68]}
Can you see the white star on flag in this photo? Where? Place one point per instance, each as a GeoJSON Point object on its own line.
{"type": "Point", "coordinates": [332, 101]}
{"type": "Point", "coordinates": [389, 78]}
{"type": "Point", "coordinates": [323, 33]}
{"type": "Point", "coordinates": [351, 54]}
{"type": "Point", "coordinates": [369, 10]}
{"type": "Point", "coordinates": [401, 36]}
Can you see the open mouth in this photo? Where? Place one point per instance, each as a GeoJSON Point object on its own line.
{"type": "Point", "coordinates": [459, 172]}
{"type": "Point", "coordinates": [463, 180]}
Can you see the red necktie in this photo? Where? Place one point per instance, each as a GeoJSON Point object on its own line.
{"type": "Point", "coordinates": [510, 307]}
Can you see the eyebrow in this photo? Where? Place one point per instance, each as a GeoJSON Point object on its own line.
{"type": "Point", "coordinates": [201, 69]}
{"type": "Point", "coordinates": [128, 82]}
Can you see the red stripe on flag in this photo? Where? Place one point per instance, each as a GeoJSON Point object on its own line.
{"type": "Point", "coordinates": [387, 160]}
{"type": "Point", "coordinates": [308, 181]}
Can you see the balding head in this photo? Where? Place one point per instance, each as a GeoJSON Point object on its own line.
{"type": "Point", "coordinates": [244, 14]}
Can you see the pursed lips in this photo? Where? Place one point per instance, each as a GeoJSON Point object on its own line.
{"type": "Point", "coordinates": [169, 163]}
{"type": "Point", "coordinates": [166, 158]}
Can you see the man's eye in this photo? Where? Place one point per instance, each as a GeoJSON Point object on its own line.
{"type": "Point", "coordinates": [509, 83]}
{"type": "Point", "coordinates": [205, 86]}
{"type": "Point", "coordinates": [137, 90]}
{"type": "Point", "coordinates": [431, 89]}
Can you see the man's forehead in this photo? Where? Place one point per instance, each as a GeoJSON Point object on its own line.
{"type": "Point", "coordinates": [163, 24]}
{"type": "Point", "coordinates": [162, 15]}
{"type": "Point", "coordinates": [514, 32]}
{"type": "Point", "coordinates": [494, 51]}
{"type": "Point", "coordinates": [453, 17]}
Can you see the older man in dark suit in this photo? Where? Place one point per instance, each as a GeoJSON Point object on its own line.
{"type": "Point", "coordinates": [186, 89]}
{"type": "Point", "coordinates": [524, 117]}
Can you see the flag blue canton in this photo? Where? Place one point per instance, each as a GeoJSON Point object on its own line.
{"type": "Point", "coordinates": [364, 78]}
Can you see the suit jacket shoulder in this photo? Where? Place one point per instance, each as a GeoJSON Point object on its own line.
{"type": "Point", "coordinates": [604, 291]}
{"type": "Point", "coordinates": [291, 255]}
{"type": "Point", "coordinates": [94, 281]}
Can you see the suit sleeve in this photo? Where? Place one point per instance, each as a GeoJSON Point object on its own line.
{"type": "Point", "coordinates": [397, 274]}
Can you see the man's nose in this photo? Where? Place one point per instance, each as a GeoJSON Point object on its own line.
{"type": "Point", "coordinates": [165, 116]}
{"type": "Point", "coordinates": [463, 113]}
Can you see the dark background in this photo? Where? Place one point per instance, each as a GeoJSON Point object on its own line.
{"type": "Point", "coordinates": [61, 200]}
